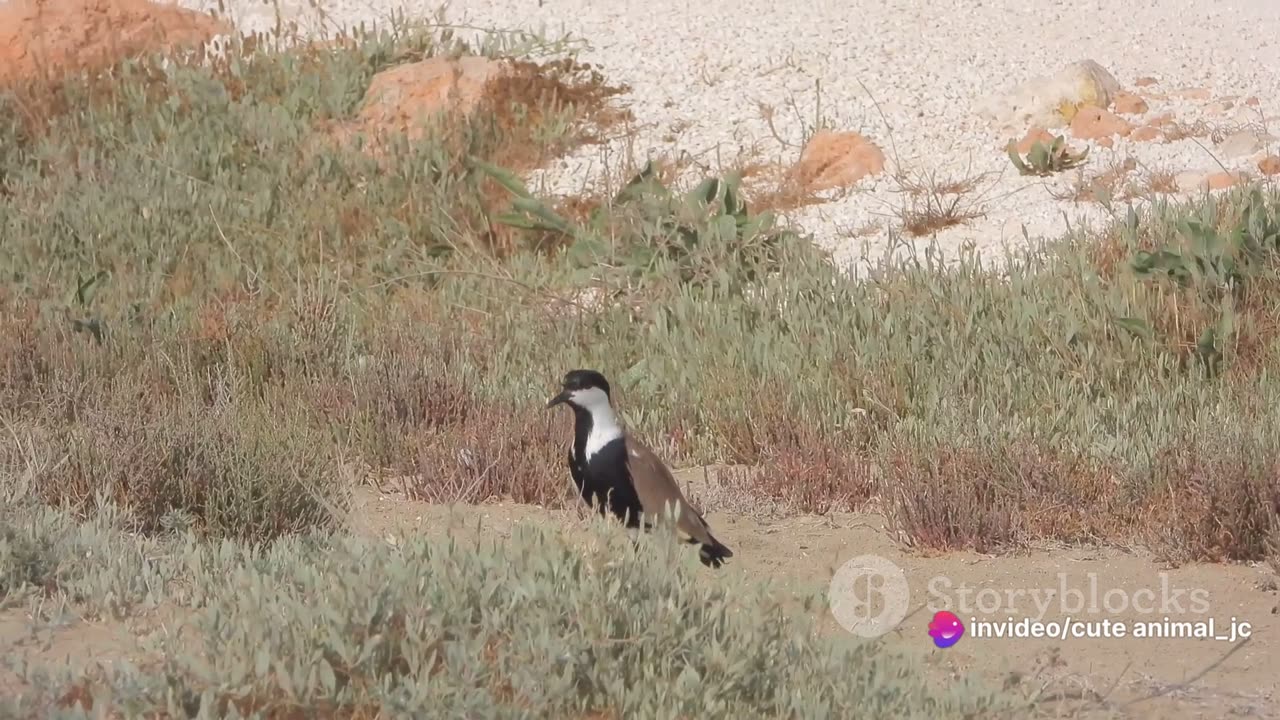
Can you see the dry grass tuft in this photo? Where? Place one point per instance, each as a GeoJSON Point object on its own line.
{"type": "Point", "coordinates": [994, 499]}
{"type": "Point", "coordinates": [935, 204]}
{"type": "Point", "coordinates": [1160, 182]}
{"type": "Point", "coordinates": [773, 187]}
{"type": "Point", "coordinates": [522, 105]}
{"type": "Point", "coordinates": [1112, 183]}
{"type": "Point", "coordinates": [495, 451]}
{"type": "Point", "coordinates": [800, 465]}
{"type": "Point", "coordinates": [1210, 506]}
{"type": "Point", "coordinates": [815, 475]}
{"type": "Point", "coordinates": [1218, 506]}
{"type": "Point", "coordinates": [1120, 181]}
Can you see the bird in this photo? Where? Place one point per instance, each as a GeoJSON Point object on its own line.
{"type": "Point", "coordinates": [617, 474]}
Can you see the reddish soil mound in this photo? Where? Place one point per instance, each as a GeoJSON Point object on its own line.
{"type": "Point", "coordinates": [39, 38]}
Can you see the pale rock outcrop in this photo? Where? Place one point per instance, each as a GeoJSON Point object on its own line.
{"type": "Point", "coordinates": [1050, 101]}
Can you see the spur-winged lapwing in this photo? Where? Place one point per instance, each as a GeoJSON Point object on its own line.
{"type": "Point", "coordinates": [616, 473]}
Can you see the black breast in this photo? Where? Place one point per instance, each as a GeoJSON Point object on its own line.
{"type": "Point", "coordinates": [606, 483]}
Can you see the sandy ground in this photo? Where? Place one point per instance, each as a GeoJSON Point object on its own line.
{"type": "Point", "coordinates": [1080, 677]}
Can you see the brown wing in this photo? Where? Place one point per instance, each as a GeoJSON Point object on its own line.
{"type": "Point", "coordinates": [657, 488]}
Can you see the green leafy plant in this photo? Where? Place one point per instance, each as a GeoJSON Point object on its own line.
{"type": "Point", "coordinates": [705, 232]}
{"type": "Point", "coordinates": [1205, 253]}
{"type": "Point", "coordinates": [1219, 259]}
{"type": "Point", "coordinates": [1046, 159]}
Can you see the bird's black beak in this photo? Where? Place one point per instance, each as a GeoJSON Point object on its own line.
{"type": "Point", "coordinates": [562, 397]}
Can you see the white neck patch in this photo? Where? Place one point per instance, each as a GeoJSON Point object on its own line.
{"type": "Point", "coordinates": [604, 424]}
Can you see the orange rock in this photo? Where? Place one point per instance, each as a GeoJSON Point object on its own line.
{"type": "Point", "coordinates": [837, 159]}
{"type": "Point", "coordinates": [1145, 81]}
{"type": "Point", "coordinates": [1251, 101]}
{"type": "Point", "coordinates": [66, 36]}
{"type": "Point", "coordinates": [1193, 93]}
{"type": "Point", "coordinates": [1221, 180]}
{"type": "Point", "coordinates": [1127, 103]}
{"type": "Point", "coordinates": [1161, 120]}
{"type": "Point", "coordinates": [404, 97]}
{"type": "Point", "coordinates": [1094, 123]}
{"type": "Point", "coordinates": [408, 98]}
{"type": "Point", "coordinates": [1146, 133]}
{"type": "Point", "coordinates": [1034, 135]}
{"type": "Point", "coordinates": [1270, 165]}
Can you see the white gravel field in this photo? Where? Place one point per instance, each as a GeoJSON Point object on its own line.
{"type": "Point", "coordinates": [698, 73]}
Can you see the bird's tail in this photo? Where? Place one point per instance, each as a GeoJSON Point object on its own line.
{"type": "Point", "coordinates": [713, 554]}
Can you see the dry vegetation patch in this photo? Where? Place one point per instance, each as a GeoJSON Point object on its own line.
{"type": "Point", "coordinates": [999, 498]}
{"type": "Point", "coordinates": [933, 204]}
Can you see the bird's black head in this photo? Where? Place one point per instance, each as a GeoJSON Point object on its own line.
{"type": "Point", "coordinates": [582, 388]}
